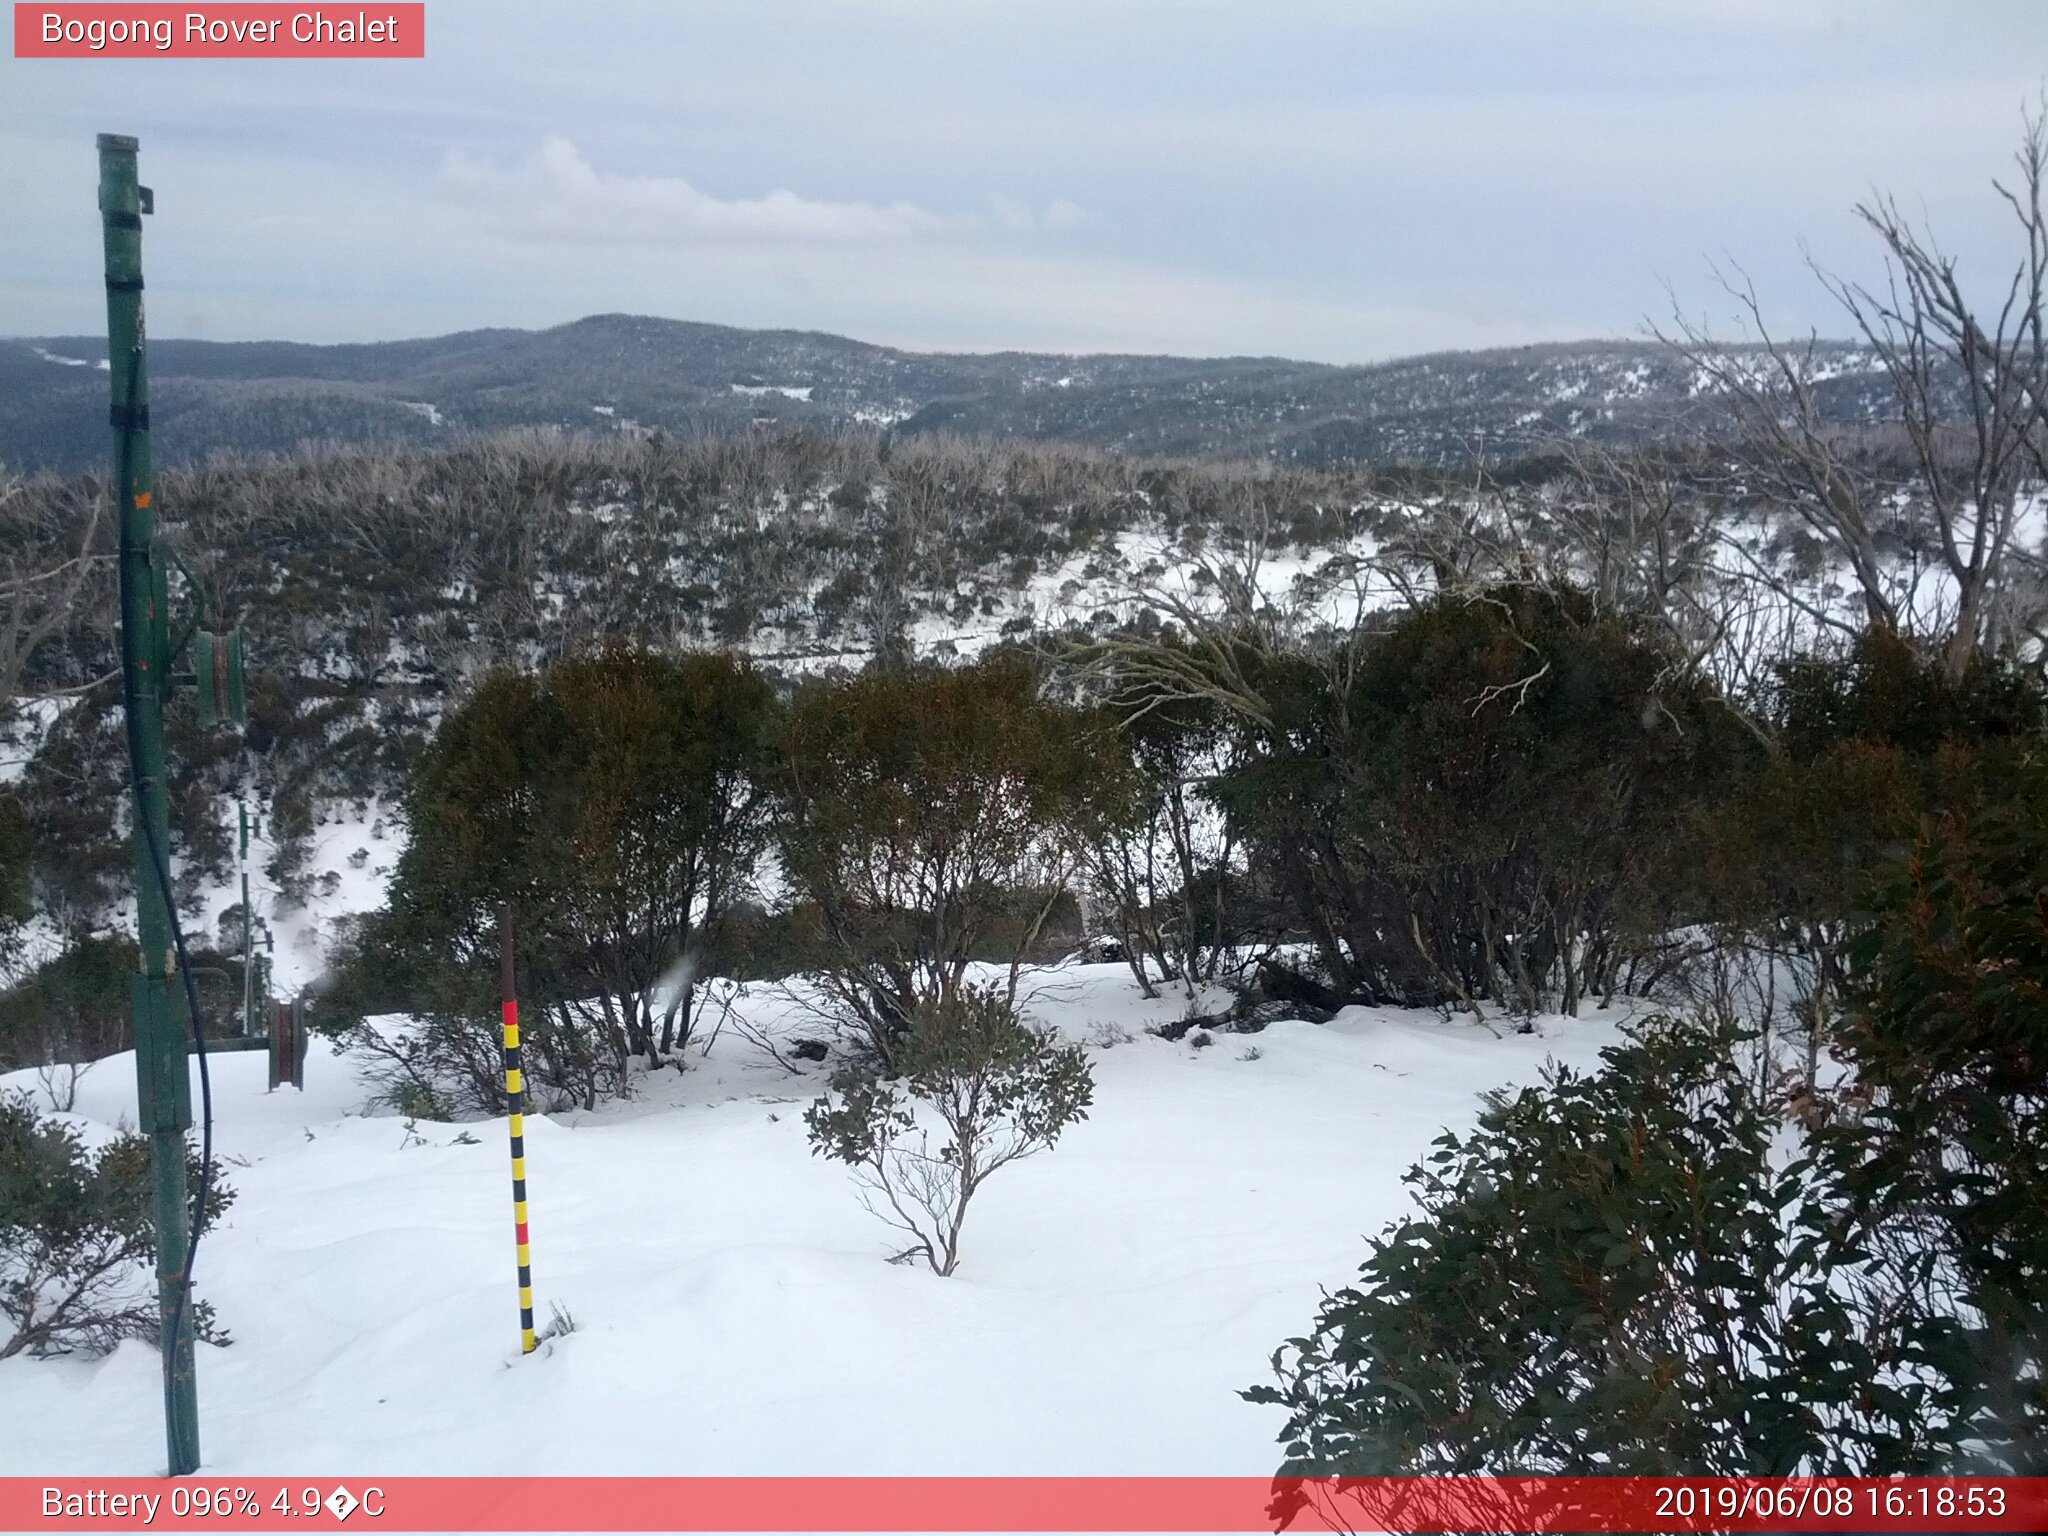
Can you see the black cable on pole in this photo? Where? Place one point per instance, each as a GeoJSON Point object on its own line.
{"type": "Point", "coordinates": [161, 864]}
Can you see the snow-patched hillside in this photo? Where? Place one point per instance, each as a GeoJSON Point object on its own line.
{"type": "Point", "coordinates": [734, 1309]}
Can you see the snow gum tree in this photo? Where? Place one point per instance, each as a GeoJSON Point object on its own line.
{"type": "Point", "coordinates": [1965, 357]}
{"type": "Point", "coordinates": [998, 1091]}
{"type": "Point", "coordinates": [1163, 867]}
{"type": "Point", "coordinates": [1472, 802]}
{"type": "Point", "coordinates": [618, 802]}
{"type": "Point", "coordinates": [931, 818]}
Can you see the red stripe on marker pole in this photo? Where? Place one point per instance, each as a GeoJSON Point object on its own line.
{"type": "Point", "coordinates": [1020, 1504]}
{"type": "Point", "coordinates": [515, 1101]}
{"type": "Point", "coordinates": [375, 30]}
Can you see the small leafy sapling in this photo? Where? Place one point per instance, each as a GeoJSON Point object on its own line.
{"type": "Point", "coordinates": [974, 1090]}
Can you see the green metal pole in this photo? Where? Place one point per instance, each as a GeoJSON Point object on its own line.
{"type": "Point", "coordinates": [248, 934]}
{"type": "Point", "coordinates": [162, 1086]}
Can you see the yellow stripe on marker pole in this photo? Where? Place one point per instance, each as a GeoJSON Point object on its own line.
{"type": "Point", "coordinates": [515, 1097]}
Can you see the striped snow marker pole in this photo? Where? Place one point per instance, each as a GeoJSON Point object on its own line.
{"type": "Point", "coordinates": [515, 1098]}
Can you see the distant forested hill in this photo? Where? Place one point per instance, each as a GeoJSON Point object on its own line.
{"type": "Point", "coordinates": [632, 373]}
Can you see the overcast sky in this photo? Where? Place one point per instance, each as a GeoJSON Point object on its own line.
{"type": "Point", "coordinates": [1343, 181]}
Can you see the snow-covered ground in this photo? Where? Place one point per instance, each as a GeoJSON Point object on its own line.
{"type": "Point", "coordinates": [734, 1309]}
{"type": "Point", "coordinates": [353, 852]}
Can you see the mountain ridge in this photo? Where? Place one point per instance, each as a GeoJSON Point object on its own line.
{"type": "Point", "coordinates": [630, 372]}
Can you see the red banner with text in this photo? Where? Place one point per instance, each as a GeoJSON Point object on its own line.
{"type": "Point", "coordinates": [1019, 1504]}
{"type": "Point", "coordinates": [102, 31]}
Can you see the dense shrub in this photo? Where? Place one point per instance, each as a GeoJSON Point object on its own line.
{"type": "Point", "coordinates": [1785, 857]}
{"type": "Point", "coordinates": [1481, 802]}
{"type": "Point", "coordinates": [617, 803]}
{"type": "Point", "coordinates": [17, 869]}
{"type": "Point", "coordinates": [1660, 1268]}
{"type": "Point", "coordinates": [1944, 1138]}
{"type": "Point", "coordinates": [77, 1238]}
{"type": "Point", "coordinates": [74, 1007]}
{"type": "Point", "coordinates": [72, 798]}
{"type": "Point", "coordinates": [77, 1006]}
{"type": "Point", "coordinates": [1615, 1274]}
{"type": "Point", "coordinates": [931, 818]}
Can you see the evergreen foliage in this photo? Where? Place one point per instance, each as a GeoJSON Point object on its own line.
{"type": "Point", "coordinates": [77, 1238]}
{"type": "Point", "coordinates": [76, 1006]}
{"type": "Point", "coordinates": [1665, 1268]}
{"type": "Point", "coordinates": [1482, 802]}
{"type": "Point", "coordinates": [617, 804]}
{"type": "Point", "coordinates": [930, 818]}
{"type": "Point", "coordinates": [17, 858]}
{"type": "Point", "coordinates": [1614, 1274]}
{"type": "Point", "coordinates": [1784, 855]}
{"type": "Point", "coordinates": [1944, 1144]}
{"type": "Point", "coordinates": [73, 1007]}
